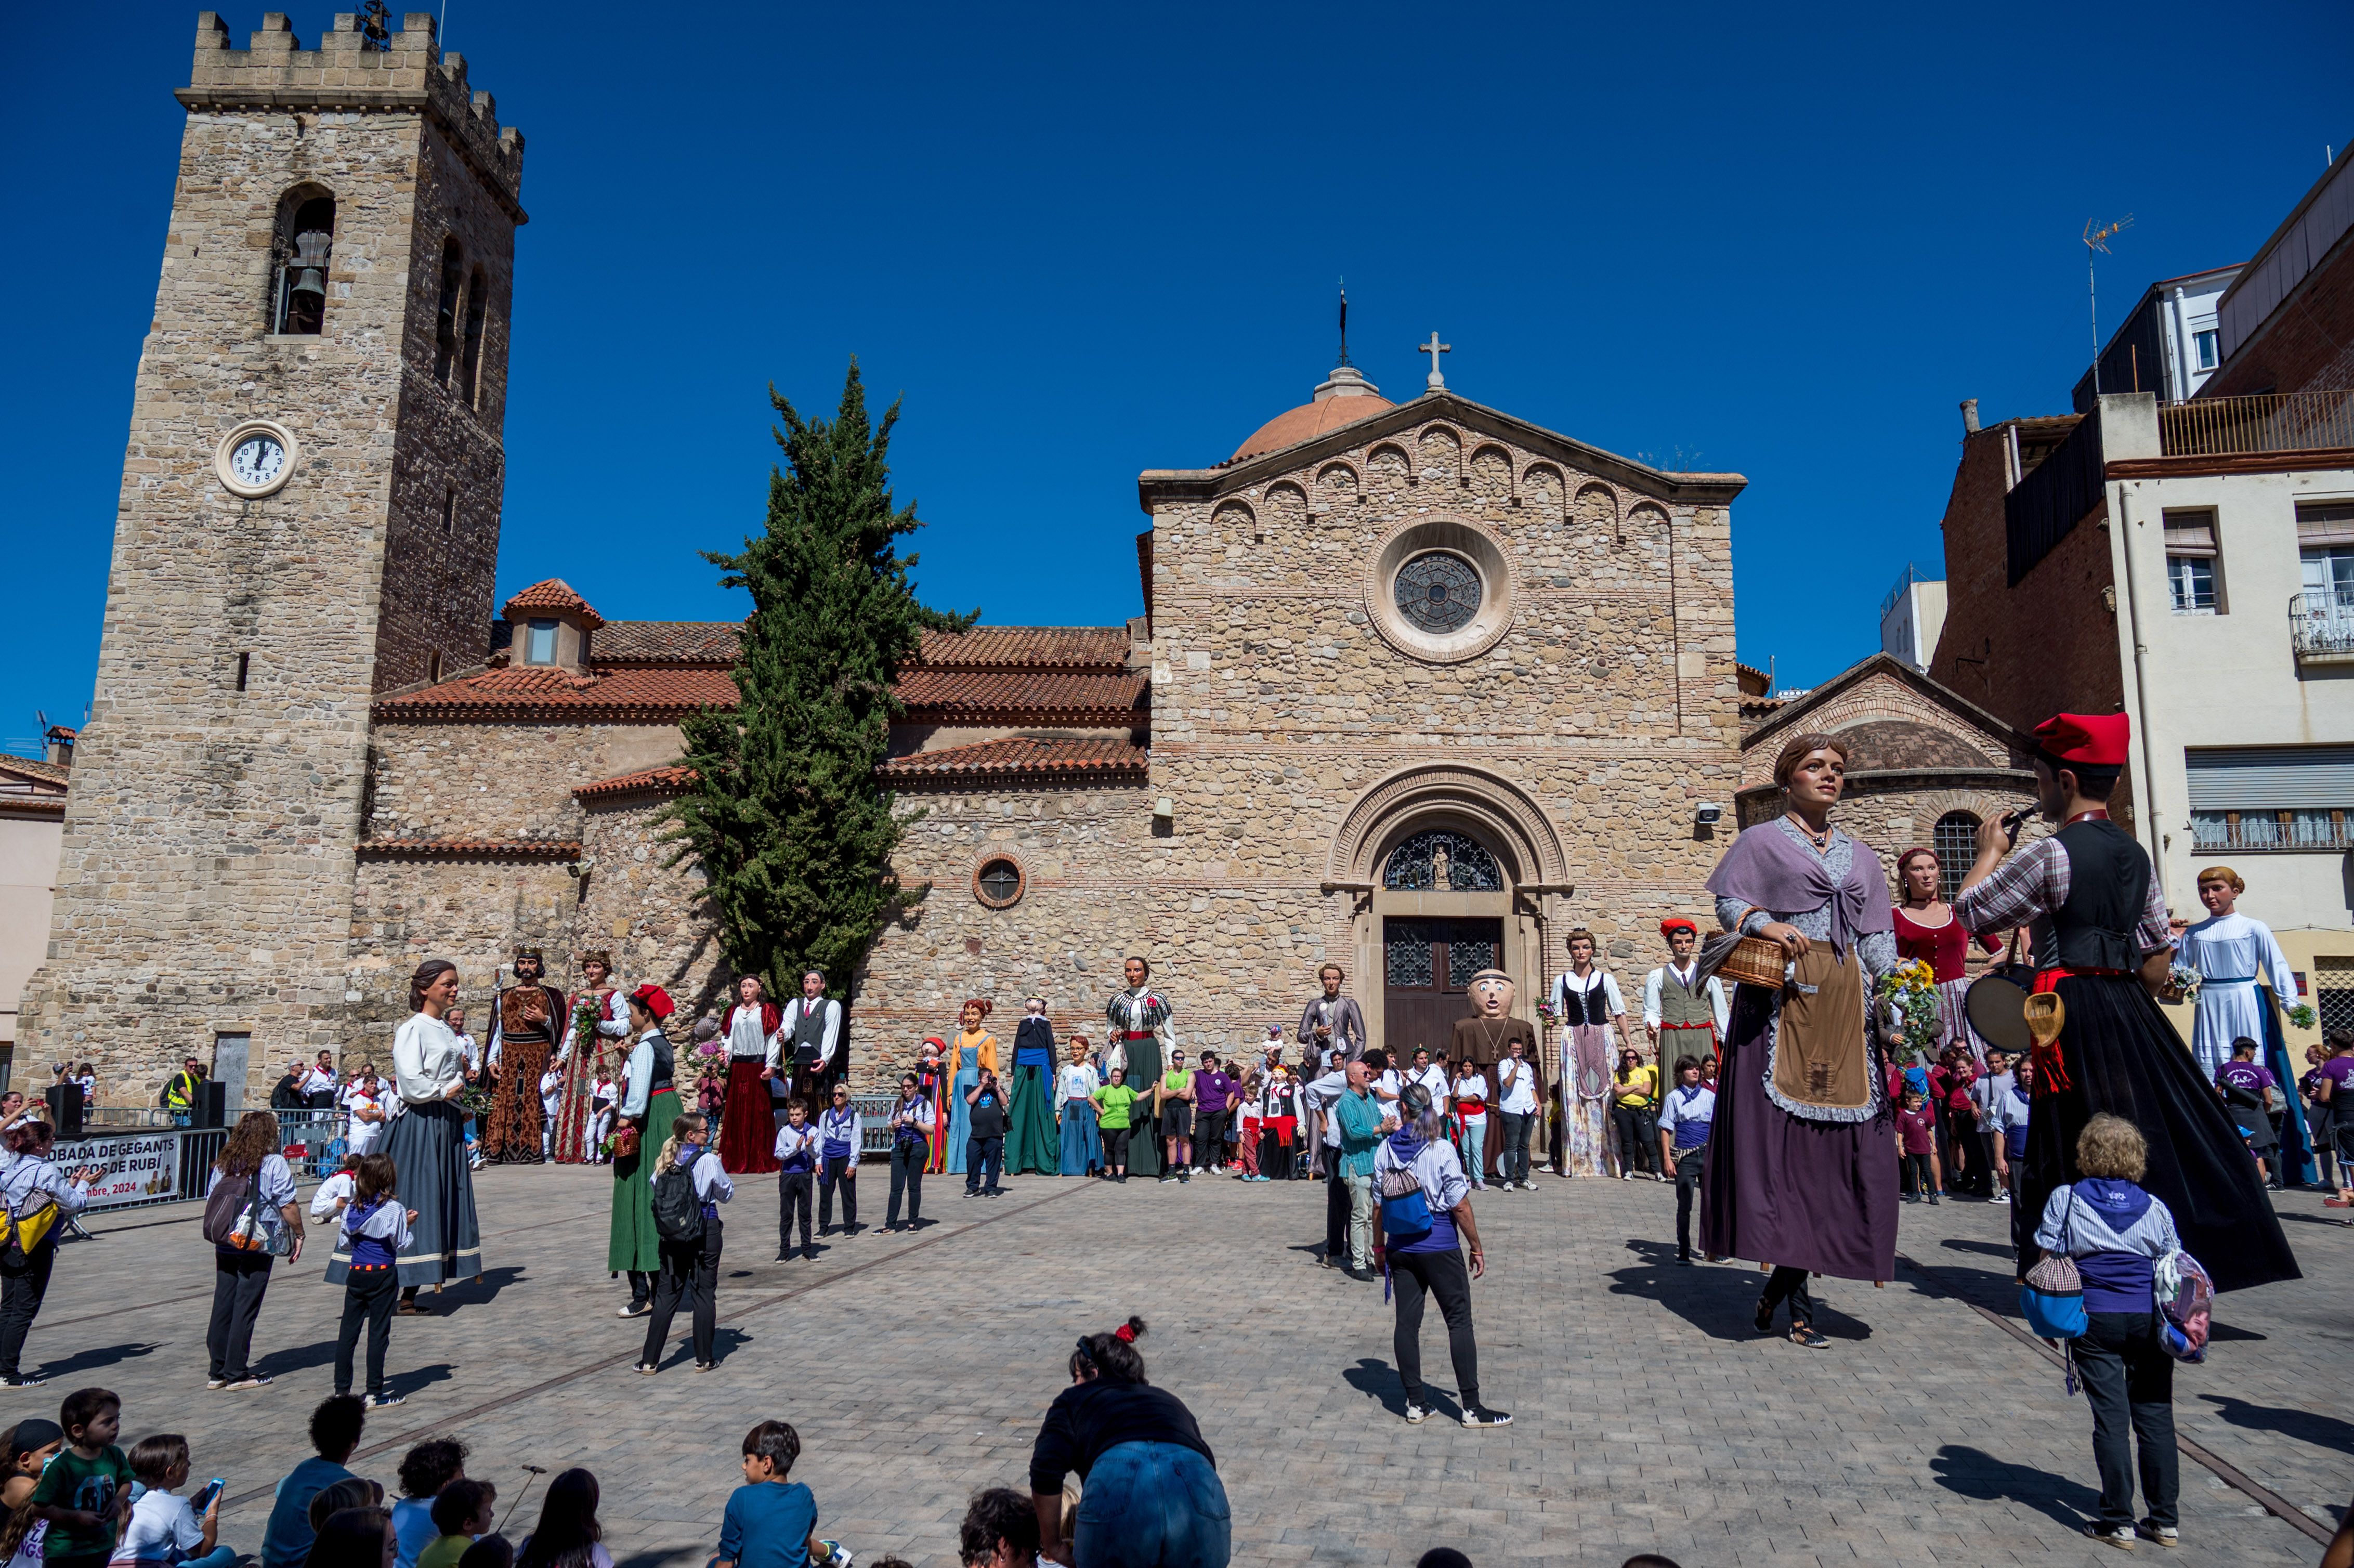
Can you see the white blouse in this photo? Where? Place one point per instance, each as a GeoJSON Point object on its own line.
{"type": "Point", "coordinates": [426, 1059]}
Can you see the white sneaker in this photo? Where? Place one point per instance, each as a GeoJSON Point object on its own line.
{"type": "Point", "coordinates": [1415, 1415]}
{"type": "Point", "coordinates": [2002, 1197]}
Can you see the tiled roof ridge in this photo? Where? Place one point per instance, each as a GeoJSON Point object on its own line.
{"type": "Point", "coordinates": [470, 849]}
{"type": "Point", "coordinates": [1023, 758]}
{"type": "Point", "coordinates": [554, 593]}
{"type": "Point", "coordinates": [670, 779]}
{"type": "Point", "coordinates": [38, 768]}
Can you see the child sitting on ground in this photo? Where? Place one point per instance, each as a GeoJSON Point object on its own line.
{"type": "Point", "coordinates": [424, 1471]}
{"type": "Point", "coordinates": [163, 1529]}
{"type": "Point", "coordinates": [771, 1523]}
{"type": "Point", "coordinates": [86, 1491]}
{"type": "Point", "coordinates": [335, 1192]}
{"type": "Point", "coordinates": [334, 1434]}
{"type": "Point", "coordinates": [463, 1511]}
{"type": "Point", "coordinates": [24, 1449]}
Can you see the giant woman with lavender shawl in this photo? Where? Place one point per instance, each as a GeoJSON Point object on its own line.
{"type": "Point", "coordinates": [1801, 1166]}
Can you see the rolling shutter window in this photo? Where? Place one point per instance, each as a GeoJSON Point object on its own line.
{"type": "Point", "coordinates": [2320, 522]}
{"type": "Point", "coordinates": [2190, 533]}
{"type": "Point", "coordinates": [2271, 779]}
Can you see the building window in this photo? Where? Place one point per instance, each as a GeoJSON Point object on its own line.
{"type": "Point", "coordinates": [2191, 559]}
{"type": "Point", "coordinates": [303, 244]}
{"type": "Point", "coordinates": [448, 512]}
{"type": "Point", "coordinates": [539, 642]}
{"type": "Point", "coordinates": [477, 305]}
{"type": "Point", "coordinates": [1956, 839]}
{"type": "Point", "coordinates": [434, 671]}
{"type": "Point", "coordinates": [244, 669]}
{"type": "Point", "coordinates": [445, 321]}
{"type": "Point", "coordinates": [2289, 799]}
{"type": "Point", "coordinates": [2332, 993]}
{"type": "Point", "coordinates": [2203, 345]}
{"type": "Point", "coordinates": [1438, 592]}
{"type": "Point", "coordinates": [1440, 861]}
{"type": "Point", "coordinates": [998, 884]}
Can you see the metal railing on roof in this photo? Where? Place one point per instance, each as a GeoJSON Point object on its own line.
{"type": "Point", "coordinates": [2268, 422]}
{"type": "Point", "coordinates": [2321, 627]}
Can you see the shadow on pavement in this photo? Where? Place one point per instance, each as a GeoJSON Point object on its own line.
{"type": "Point", "coordinates": [1377, 1380]}
{"type": "Point", "coordinates": [1720, 1299]}
{"type": "Point", "coordinates": [2304, 1425]}
{"type": "Point", "coordinates": [1974, 1473]}
{"type": "Point", "coordinates": [100, 1356]}
{"type": "Point", "coordinates": [482, 1288]}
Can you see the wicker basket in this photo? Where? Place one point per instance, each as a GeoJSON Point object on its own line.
{"type": "Point", "coordinates": [1757, 961]}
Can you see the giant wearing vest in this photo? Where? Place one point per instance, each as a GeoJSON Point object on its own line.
{"type": "Point", "coordinates": [2091, 898]}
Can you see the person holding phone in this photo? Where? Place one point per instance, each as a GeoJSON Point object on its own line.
{"type": "Point", "coordinates": [164, 1526]}
{"type": "Point", "coordinates": [985, 1139]}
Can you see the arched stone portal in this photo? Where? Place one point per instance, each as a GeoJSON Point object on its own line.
{"type": "Point", "coordinates": [1480, 863]}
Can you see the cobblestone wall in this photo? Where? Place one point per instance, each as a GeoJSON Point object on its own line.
{"type": "Point", "coordinates": [500, 780]}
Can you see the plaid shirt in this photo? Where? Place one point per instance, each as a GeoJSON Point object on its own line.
{"type": "Point", "coordinates": [2026, 888]}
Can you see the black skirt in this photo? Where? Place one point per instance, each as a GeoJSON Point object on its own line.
{"type": "Point", "coordinates": [2121, 1056]}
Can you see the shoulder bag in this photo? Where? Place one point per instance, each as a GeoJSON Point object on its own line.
{"type": "Point", "coordinates": [2052, 1300]}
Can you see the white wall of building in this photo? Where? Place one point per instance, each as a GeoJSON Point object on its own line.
{"type": "Point", "coordinates": [2230, 679]}
{"type": "Point", "coordinates": [2187, 319]}
{"type": "Point", "coordinates": [28, 873]}
{"type": "Point", "coordinates": [1910, 625]}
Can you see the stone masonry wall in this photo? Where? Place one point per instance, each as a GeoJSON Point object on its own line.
{"type": "Point", "coordinates": [500, 782]}
{"type": "Point", "coordinates": [206, 879]}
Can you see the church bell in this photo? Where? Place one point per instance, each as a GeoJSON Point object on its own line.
{"type": "Point", "coordinates": [311, 264]}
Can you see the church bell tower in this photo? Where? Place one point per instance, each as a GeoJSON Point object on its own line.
{"type": "Point", "coordinates": [308, 518]}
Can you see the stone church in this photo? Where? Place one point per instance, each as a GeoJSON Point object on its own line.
{"type": "Point", "coordinates": [1420, 685]}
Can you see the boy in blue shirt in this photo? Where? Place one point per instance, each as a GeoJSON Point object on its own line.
{"type": "Point", "coordinates": [336, 1427]}
{"type": "Point", "coordinates": [771, 1523]}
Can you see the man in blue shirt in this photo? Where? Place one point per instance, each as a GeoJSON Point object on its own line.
{"type": "Point", "coordinates": [336, 1433]}
{"type": "Point", "coordinates": [1684, 1119]}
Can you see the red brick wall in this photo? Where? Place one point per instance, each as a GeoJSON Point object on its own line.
{"type": "Point", "coordinates": [2306, 344]}
{"type": "Point", "coordinates": [2045, 647]}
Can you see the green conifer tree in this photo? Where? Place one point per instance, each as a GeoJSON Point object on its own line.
{"type": "Point", "coordinates": [793, 829]}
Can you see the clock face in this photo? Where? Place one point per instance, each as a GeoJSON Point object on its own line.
{"type": "Point", "coordinates": [258, 459]}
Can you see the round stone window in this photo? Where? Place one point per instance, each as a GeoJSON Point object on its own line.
{"type": "Point", "coordinates": [998, 883]}
{"type": "Point", "coordinates": [1438, 592]}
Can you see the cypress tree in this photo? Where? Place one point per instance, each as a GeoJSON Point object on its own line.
{"type": "Point", "coordinates": [792, 827]}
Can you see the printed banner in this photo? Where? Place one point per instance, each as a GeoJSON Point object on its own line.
{"type": "Point", "coordinates": [139, 1167]}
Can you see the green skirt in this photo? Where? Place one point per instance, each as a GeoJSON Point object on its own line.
{"type": "Point", "coordinates": [1035, 1146]}
{"type": "Point", "coordinates": [635, 1246]}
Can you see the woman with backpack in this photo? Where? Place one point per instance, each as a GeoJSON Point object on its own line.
{"type": "Point", "coordinates": [689, 1186]}
{"type": "Point", "coordinates": [37, 1194]}
{"type": "Point", "coordinates": [1424, 1202]}
{"type": "Point", "coordinates": [252, 1220]}
{"type": "Point", "coordinates": [2118, 1234]}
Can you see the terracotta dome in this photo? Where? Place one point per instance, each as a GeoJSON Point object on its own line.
{"type": "Point", "coordinates": [1345, 398]}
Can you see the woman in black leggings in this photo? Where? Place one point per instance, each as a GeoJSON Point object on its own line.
{"type": "Point", "coordinates": [1418, 1160]}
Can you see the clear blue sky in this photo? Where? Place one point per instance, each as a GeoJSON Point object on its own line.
{"type": "Point", "coordinates": [1088, 240]}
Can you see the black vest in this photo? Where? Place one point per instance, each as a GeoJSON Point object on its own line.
{"type": "Point", "coordinates": [665, 1065]}
{"type": "Point", "coordinates": [809, 1030]}
{"type": "Point", "coordinates": [2108, 883]}
{"type": "Point", "coordinates": [1587, 1007]}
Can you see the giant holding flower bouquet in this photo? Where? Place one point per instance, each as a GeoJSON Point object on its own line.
{"type": "Point", "coordinates": [1910, 991]}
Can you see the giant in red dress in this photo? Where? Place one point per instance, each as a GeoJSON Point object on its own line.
{"type": "Point", "coordinates": [748, 1128]}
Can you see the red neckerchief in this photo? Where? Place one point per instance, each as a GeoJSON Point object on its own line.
{"type": "Point", "coordinates": [2098, 813]}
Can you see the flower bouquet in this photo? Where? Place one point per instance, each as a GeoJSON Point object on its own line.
{"type": "Point", "coordinates": [2301, 1015]}
{"type": "Point", "coordinates": [1546, 1011]}
{"type": "Point", "coordinates": [1910, 991]}
{"type": "Point", "coordinates": [2183, 982]}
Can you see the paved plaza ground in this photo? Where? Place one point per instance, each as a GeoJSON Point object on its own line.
{"type": "Point", "coordinates": [1650, 1417]}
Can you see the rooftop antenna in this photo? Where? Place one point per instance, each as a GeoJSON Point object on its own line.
{"type": "Point", "coordinates": [2096, 242]}
{"type": "Point", "coordinates": [1344, 320]}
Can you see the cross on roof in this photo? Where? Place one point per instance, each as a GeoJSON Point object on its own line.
{"type": "Point", "coordinates": [1436, 382]}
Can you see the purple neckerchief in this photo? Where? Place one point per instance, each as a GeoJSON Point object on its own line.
{"type": "Point", "coordinates": [1770, 870]}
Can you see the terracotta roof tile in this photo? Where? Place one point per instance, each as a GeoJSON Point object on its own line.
{"type": "Point", "coordinates": [1022, 760]}
{"type": "Point", "coordinates": [666, 780]}
{"type": "Point", "coordinates": [470, 849]}
{"type": "Point", "coordinates": [555, 594]}
{"type": "Point", "coordinates": [1020, 696]}
{"type": "Point", "coordinates": [623, 697]}
{"type": "Point", "coordinates": [665, 642]}
{"type": "Point", "coordinates": [1098, 648]}
{"type": "Point", "coordinates": [36, 769]}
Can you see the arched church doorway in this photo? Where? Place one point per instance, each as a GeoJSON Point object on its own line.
{"type": "Point", "coordinates": [1427, 961]}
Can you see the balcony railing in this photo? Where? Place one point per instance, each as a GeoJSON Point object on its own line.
{"type": "Point", "coordinates": [2272, 423]}
{"type": "Point", "coordinates": [2321, 627]}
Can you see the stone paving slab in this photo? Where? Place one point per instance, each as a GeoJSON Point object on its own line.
{"type": "Point", "coordinates": [1650, 1417]}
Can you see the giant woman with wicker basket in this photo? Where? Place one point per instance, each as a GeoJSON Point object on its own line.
{"type": "Point", "coordinates": [1801, 1166]}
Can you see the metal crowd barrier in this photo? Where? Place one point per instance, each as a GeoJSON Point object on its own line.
{"type": "Point", "coordinates": [144, 1163]}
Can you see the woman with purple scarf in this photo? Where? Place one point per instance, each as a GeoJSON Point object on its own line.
{"type": "Point", "coordinates": [1801, 1165]}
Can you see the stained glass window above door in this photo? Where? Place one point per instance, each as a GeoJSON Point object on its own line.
{"type": "Point", "coordinates": [1442, 860]}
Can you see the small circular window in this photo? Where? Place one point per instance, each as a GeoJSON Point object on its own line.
{"type": "Point", "coordinates": [998, 884]}
{"type": "Point", "coordinates": [1438, 592]}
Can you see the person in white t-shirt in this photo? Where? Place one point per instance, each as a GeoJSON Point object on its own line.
{"type": "Point", "coordinates": [1516, 1087]}
{"type": "Point", "coordinates": [1472, 1122]}
{"type": "Point", "coordinates": [601, 1120]}
{"type": "Point", "coordinates": [335, 1194]}
{"type": "Point", "coordinates": [163, 1529]}
{"type": "Point", "coordinates": [551, 1097]}
{"type": "Point", "coordinates": [364, 1105]}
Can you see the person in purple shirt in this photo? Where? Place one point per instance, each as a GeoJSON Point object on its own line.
{"type": "Point", "coordinates": [2249, 1094]}
{"type": "Point", "coordinates": [2334, 1088]}
{"type": "Point", "coordinates": [1214, 1099]}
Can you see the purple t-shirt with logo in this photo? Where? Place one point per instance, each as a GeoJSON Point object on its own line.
{"type": "Point", "coordinates": [2339, 1071]}
{"type": "Point", "coordinates": [2253, 1077]}
{"type": "Point", "coordinates": [1211, 1090]}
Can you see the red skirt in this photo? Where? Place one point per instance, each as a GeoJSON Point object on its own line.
{"type": "Point", "coordinates": [747, 1130]}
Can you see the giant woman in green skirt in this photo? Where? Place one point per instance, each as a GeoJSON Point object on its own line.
{"type": "Point", "coordinates": [649, 1105]}
{"type": "Point", "coordinates": [1034, 1145]}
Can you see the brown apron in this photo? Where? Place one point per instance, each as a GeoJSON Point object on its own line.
{"type": "Point", "coordinates": [1820, 1058]}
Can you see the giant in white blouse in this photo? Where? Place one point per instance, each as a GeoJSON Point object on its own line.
{"type": "Point", "coordinates": [426, 1060]}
